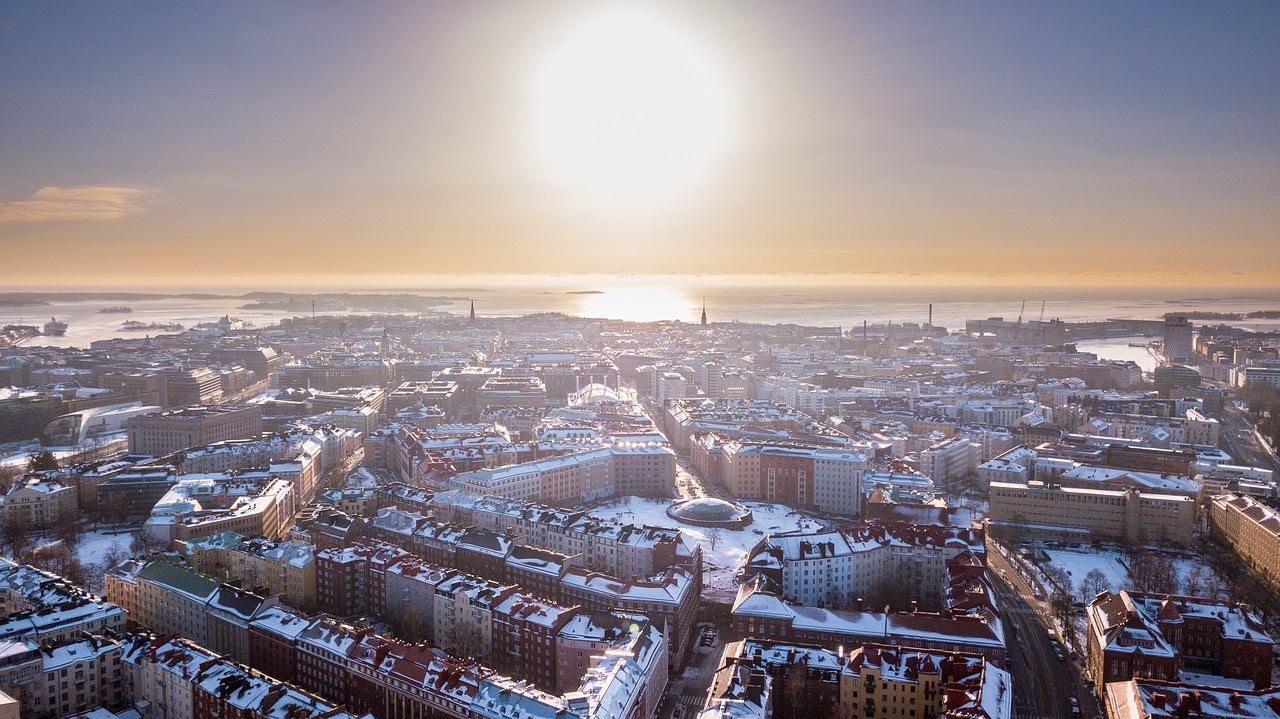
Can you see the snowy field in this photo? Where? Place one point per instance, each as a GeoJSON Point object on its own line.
{"type": "Point", "coordinates": [723, 550]}
{"type": "Point", "coordinates": [93, 546]}
{"type": "Point", "coordinates": [1110, 561]}
{"type": "Point", "coordinates": [1079, 563]}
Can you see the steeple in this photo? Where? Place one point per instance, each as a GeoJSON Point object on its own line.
{"type": "Point", "coordinates": [704, 311]}
{"type": "Point", "coordinates": [472, 319]}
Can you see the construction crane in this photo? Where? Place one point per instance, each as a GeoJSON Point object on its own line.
{"type": "Point", "coordinates": [1041, 311]}
{"type": "Point", "coordinates": [1021, 312]}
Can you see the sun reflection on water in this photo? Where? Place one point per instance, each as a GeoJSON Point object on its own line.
{"type": "Point", "coordinates": [638, 303]}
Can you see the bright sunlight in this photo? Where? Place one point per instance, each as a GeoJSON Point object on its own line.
{"type": "Point", "coordinates": [631, 113]}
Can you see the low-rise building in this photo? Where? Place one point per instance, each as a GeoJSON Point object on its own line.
{"type": "Point", "coordinates": [1157, 636]}
{"type": "Point", "coordinates": [38, 501]}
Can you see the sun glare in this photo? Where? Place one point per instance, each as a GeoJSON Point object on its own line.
{"type": "Point", "coordinates": [638, 303]}
{"type": "Point", "coordinates": [630, 111]}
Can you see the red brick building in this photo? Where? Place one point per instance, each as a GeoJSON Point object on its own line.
{"type": "Point", "coordinates": [1154, 636]}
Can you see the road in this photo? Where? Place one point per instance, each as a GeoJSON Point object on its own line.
{"type": "Point", "coordinates": [1238, 440]}
{"type": "Point", "coordinates": [1042, 685]}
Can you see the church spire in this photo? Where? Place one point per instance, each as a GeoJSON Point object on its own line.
{"type": "Point", "coordinates": [704, 310]}
{"type": "Point", "coordinates": [473, 312]}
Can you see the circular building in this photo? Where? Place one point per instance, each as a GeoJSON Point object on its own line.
{"type": "Point", "coordinates": [710, 512]}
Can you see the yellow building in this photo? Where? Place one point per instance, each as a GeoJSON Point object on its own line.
{"type": "Point", "coordinates": [1251, 529]}
{"type": "Point", "coordinates": [286, 569]}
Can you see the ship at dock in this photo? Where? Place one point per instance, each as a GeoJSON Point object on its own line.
{"type": "Point", "coordinates": [54, 328]}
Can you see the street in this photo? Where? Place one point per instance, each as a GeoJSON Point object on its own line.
{"type": "Point", "coordinates": [1238, 440]}
{"type": "Point", "coordinates": [1042, 684]}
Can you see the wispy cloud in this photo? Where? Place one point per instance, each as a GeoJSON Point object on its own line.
{"type": "Point", "coordinates": [97, 202]}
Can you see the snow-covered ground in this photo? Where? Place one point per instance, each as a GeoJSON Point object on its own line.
{"type": "Point", "coordinates": [1078, 563]}
{"type": "Point", "coordinates": [93, 546]}
{"type": "Point", "coordinates": [723, 550]}
{"type": "Point", "coordinates": [1109, 561]}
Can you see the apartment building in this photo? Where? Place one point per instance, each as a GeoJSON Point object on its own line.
{"type": "Point", "coordinates": [1075, 514]}
{"type": "Point", "coordinates": [38, 501]}
{"type": "Point", "coordinates": [175, 430]}
{"type": "Point", "coordinates": [876, 563]}
{"type": "Point", "coordinates": [282, 568]}
{"type": "Point", "coordinates": [1251, 529]}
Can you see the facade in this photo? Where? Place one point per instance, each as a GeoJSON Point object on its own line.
{"type": "Point", "coordinates": [250, 504]}
{"type": "Point", "coordinates": [877, 563]}
{"type": "Point", "coordinates": [971, 625]}
{"type": "Point", "coordinates": [824, 479]}
{"type": "Point", "coordinates": [77, 676]}
{"type": "Point", "coordinates": [40, 502]}
{"type": "Point", "coordinates": [176, 430]}
{"type": "Point", "coordinates": [586, 475]}
{"type": "Point", "coordinates": [283, 568]}
{"type": "Point", "coordinates": [1133, 635]}
{"type": "Point", "coordinates": [791, 680]}
{"type": "Point", "coordinates": [1251, 529]}
{"type": "Point", "coordinates": [1177, 339]}
{"type": "Point", "coordinates": [1078, 514]}
{"type": "Point", "coordinates": [950, 461]}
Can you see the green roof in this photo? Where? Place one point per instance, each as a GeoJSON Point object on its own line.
{"type": "Point", "coordinates": [161, 572]}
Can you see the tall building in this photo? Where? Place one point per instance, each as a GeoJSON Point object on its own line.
{"type": "Point", "coordinates": [1177, 338]}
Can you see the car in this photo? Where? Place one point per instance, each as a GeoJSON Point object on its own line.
{"type": "Point", "coordinates": [1075, 708]}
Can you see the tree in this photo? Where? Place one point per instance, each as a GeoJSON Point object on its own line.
{"type": "Point", "coordinates": [144, 545]}
{"type": "Point", "coordinates": [1193, 583]}
{"type": "Point", "coordinates": [413, 625]}
{"type": "Point", "coordinates": [1164, 575]}
{"type": "Point", "coordinates": [1093, 583]}
{"type": "Point", "coordinates": [17, 533]}
{"type": "Point", "coordinates": [1214, 587]}
{"type": "Point", "coordinates": [114, 555]}
{"type": "Point", "coordinates": [42, 462]}
{"type": "Point", "coordinates": [713, 538]}
{"type": "Point", "coordinates": [8, 475]}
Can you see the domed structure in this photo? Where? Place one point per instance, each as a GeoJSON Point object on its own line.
{"type": "Point", "coordinates": [710, 512]}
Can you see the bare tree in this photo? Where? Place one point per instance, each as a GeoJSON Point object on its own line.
{"type": "Point", "coordinates": [1164, 575]}
{"type": "Point", "coordinates": [8, 475]}
{"type": "Point", "coordinates": [1093, 583]}
{"type": "Point", "coordinates": [1193, 583]}
{"type": "Point", "coordinates": [1214, 587]}
{"type": "Point", "coordinates": [713, 538]}
{"type": "Point", "coordinates": [17, 533]}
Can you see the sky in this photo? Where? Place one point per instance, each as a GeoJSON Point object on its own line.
{"type": "Point", "coordinates": [1136, 142]}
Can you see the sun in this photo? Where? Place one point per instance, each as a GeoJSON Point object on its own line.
{"type": "Point", "coordinates": [630, 112]}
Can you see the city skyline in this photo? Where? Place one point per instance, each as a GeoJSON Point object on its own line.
{"type": "Point", "coordinates": [1084, 144]}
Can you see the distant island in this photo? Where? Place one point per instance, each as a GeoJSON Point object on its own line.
{"type": "Point", "coordinates": [342, 302]}
{"type": "Point", "coordinates": [1226, 316]}
{"type": "Point", "coordinates": [136, 326]}
{"type": "Point", "coordinates": [585, 292]}
{"type": "Point", "coordinates": [116, 310]}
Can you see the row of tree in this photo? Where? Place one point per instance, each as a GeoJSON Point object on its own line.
{"type": "Point", "coordinates": [1262, 403]}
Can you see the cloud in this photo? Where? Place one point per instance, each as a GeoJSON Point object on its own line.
{"type": "Point", "coordinates": [98, 202]}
